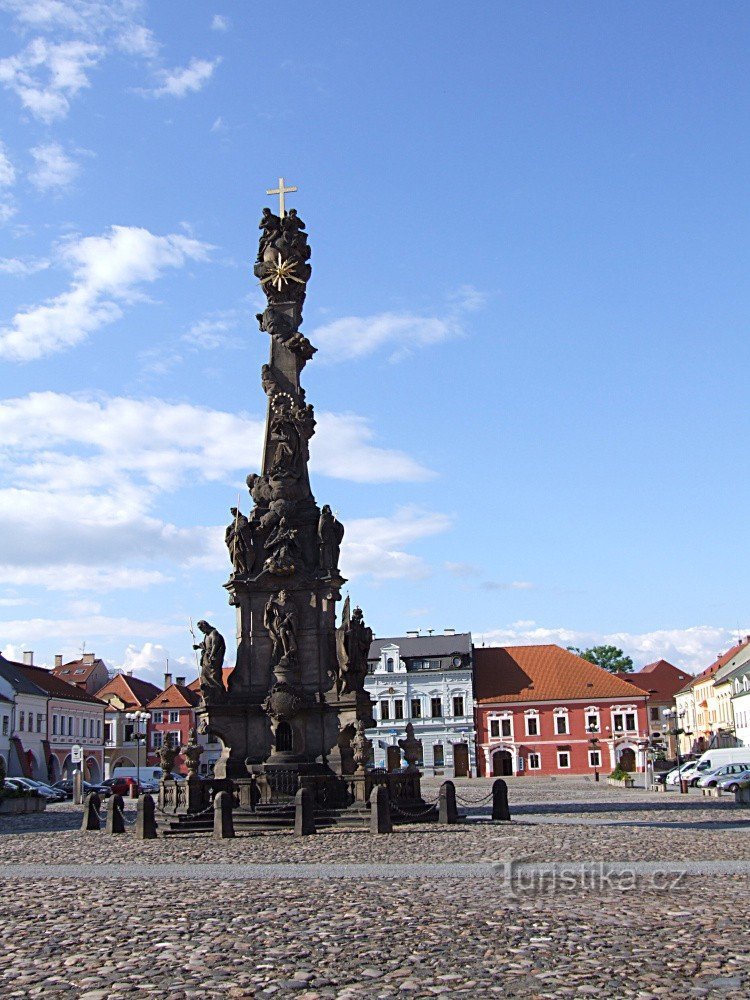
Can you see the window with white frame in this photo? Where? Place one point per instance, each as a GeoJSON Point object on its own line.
{"type": "Point", "coordinates": [416, 708]}
{"type": "Point", "coordinates": [506, 727]}
{"type": "Point", "coordinates": [535, 761]}
{"type": "Point", "coordinates": [458, 705]}
{"type": "Point", "coordinates": [157, 740]}
{"type": "Point", "coordinates": [174, 717]}
{"type": "Point", "coordinates": [624, 722]}
{"type": "Point", "coordinates": [54, 725]}
{"type": "Point", "coordinates": [561, 724]}
{"type": "Point", "coordinates": [84, 727]}
{"type": "Point", "coordinates": [436, 708]}
{"type": "Point", "coordinates": [385, 710]}
{"type": "Point", "coordinates": [157, 717]}
{"type": "Point", "coordinates": [39, 722]}
{"type": "Point", "coordinates": [21, 721]}
{"type": "Point", "coordinates": [495, 728]}
{"type": "Point", "coordinates": [595, 758]}
{"type": "Point", "coordinates": [6, 722]}
{"type": "Point", "coordinates": [532, 724]}
{"type": "Point", "coordinates": [398, 708]}
{"type": "Point", "coordinates": [563, 758]}
{"type": "Point", "coordinates": [592, 722]}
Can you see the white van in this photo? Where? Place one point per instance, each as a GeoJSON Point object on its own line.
{"type": "Point", "coordinates": [146, 773]}
{"type": "Point", "coordinates": [712, 759]}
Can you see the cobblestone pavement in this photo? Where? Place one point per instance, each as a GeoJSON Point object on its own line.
{"type": "Point", "coordinates": [525, 933]}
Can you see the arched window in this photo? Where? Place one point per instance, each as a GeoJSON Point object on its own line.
{"type": "Point", "coordinates": [283, 736]}
{"type": "Point", "coordinates": [389, 665]}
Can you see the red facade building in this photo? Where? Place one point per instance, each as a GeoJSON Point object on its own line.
{"type": "Point", "coordinates": [172, 717]}
{"type": "Point", "coordinates": [542, 710]}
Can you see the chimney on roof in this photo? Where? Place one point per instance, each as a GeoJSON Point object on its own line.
{"type": "Point", "coordinates": [128, 673]}
{"type": "Point", "coordinates": [413, 632]}
{"type": "Point", "coordinates": [167, 680]}
{"type": "Point", "coordinates": [58, 660]}
{"type": "Point", "coordinates": [88, 659]}
{"type": "Point", "coordinates": [449, 631]}
{"type": "Point", "coordinates": [180, 682]}
{"type": "Point", "coordinates": [28, 658]}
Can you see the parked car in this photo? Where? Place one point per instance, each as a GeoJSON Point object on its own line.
{"type": "Point", "coordinates": [732, 783]}
{"type": "Point", "coordinates": [684, 771]}
{"type": "Point", "coordinates": [66, 785]}
{"type": "Point", "coordinates": [41, 788]}
{"type": "Point", "coordinates": [120, 785]}
{"type": "Point", "coordinates": [712, 778]}
{"type": "Point", "coordinates": [712, 759]}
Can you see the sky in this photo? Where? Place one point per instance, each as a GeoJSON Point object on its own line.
{"type": "Point", "coordinates": [529, 231]}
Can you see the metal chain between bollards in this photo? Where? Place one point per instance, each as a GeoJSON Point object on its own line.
{"type": "Point", "coordinates": [129, 822]}
{"type": "Point", "coordinates": [414, 815]}
{"type": "Point", "coordinates": [474, 802]}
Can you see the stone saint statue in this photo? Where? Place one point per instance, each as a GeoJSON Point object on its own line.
{"type": "Point", "coordinates": [353, 640]}
{"type": "Point", "coordinates": [212, 650]}
{"type": "Point", "coordinates": [236, 539]}
{"type": "Point", "coordinates": [287, 451]}
{"type": "Point", "coordinates": [280, 618]}
{"type": "Point", "coordinates": [283, 549]}
{"type": "Point", "coordinates": [330, 536]}
{"type": "Point", "coordinates": [271, 226]}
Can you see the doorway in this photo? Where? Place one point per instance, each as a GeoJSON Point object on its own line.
{"type": "Point", "coordinates": [460, 760]}
{"type": "Point", "coordinates": [627, 759]}
{"type": "Point", "coordinates": [502, 764]}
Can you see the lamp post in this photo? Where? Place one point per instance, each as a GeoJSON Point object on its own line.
{"type": "Point", "coordinates": [139, 720]}
{"type": "Point", "coordinates": [594, 741]}
{"type": "Point", "coordinates": [675, 718]}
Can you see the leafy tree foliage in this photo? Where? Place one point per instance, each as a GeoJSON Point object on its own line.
{"type": "Point", "coordinates": [609, 657]}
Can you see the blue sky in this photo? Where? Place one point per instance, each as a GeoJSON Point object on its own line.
{"type": "Point", "coordinates": [529, 294]}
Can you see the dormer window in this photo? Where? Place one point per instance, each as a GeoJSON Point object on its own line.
{"type": "Point", "coordinates": [389, 665]}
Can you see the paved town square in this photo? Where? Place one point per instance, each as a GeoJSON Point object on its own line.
{"type": "Point", "coordinates": [589, 891]}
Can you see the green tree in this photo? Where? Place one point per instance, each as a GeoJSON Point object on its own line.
{"type": "Point", "coordinates": [609, 657]}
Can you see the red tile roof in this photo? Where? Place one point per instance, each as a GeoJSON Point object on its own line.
{"type": "Point", "coordinates": [661, 679]}
{"type": "Point", "coordinates": [175, 696]}
{"type": "Point", "coordinates": [55, 686]}
{"type": "Point", "coordinates": [543, 673]}
{"type": "Point", "coordinates": [132, 691]}
{"type": "Point", "coordinates": [80, 670]}
{"type": "Point", "coordinates": [225, 672]}
{"type": "Point", "coordinates": [718, 663]}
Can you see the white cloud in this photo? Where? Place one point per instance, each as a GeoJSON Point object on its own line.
{"type": "Point", "coordinates": [187, 79]}
{"type": "Point", "coordinates": [342, 449]}
{"type": "Point", "coordinates": [152, 660]}
{"type": "Point", "coordinates": [514, 585]}
{"type": "Point", "coordinates": [7, 211]}
{"type": "Point", "coordinates": [212, 331]}
{"type": "Point", "coordinates": [46, 75]}
{"type": "Point", "coordinates": [692, 648]}
{"type": "Point", "coordinates": [7, 170]}
{"type": "Point", "coordinates": [219, 125]}
{"type": "Point", "coordinates": [355, 337]}
{"type": "Point", "coordinates": [138, 40]}
{"type": "Point", "coordinates": [18, 267]}
{"type": "Point", "coordinates": [72, 577]}
{"type": "Point", "coordinates": [374, 546]}
{"type": "Point", "coordinates": [220, 23]}
{"type": "Point", "coordinates": [86, 627]}
{"type": "Point", "coordinates": [96, 466]}
{"type": "Point", "coordinates": [54, 168]}
{"type": "Point", "coordinates": [106, 270]}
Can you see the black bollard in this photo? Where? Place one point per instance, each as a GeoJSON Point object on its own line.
{"type": "Point", "coordinates": [91, 817]}
{"type": "Point", "coordinates": [380, 811]}
{"type": "Point", "coordinates": [223, 822]}
{"type": "Point", "coordinates": [447, 808]}
{"type": "Point", "coordinates": [145, 818]}
{"type": "Point", "coordinates": [304, 812]}
{"type": "Point", "coordinates": [500, 808]}
{"type": "Point", "coordinates": [115, 818]}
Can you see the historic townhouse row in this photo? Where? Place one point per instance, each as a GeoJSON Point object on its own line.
{"type": "Point", "coordinates": [42, 717]}
{"type": "Point", "coordinates": [713, 708]}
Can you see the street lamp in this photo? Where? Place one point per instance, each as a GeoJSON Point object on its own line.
{"type": "Point", "coordinates": [139, 720]}
{"type": "Point", "coordinates": [594, 741]}
{"type": "Point", "coordinates": [677, 731]}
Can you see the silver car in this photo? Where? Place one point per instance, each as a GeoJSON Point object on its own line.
{"type": "Point", "coordinates": [711, 779]}
{"type": "Point", "coordinates": [731, 784]}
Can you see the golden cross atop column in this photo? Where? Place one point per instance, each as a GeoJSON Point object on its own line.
{"type": "Point", "coordinates": [281, 191]}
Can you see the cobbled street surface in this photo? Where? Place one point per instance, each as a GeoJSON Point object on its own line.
{"type": "Point", "coordinates": [514, 929]}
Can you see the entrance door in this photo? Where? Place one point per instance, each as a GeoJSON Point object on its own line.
{"type": "Point", "coordinates": [502, 764]}
{"type": "Point", "coordinates": [460, 760]}
{"type": "Point", "coordinates": [627, 759]}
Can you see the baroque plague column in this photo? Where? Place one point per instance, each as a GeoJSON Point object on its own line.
{"type": "Point", "coordinates": [295, 701]}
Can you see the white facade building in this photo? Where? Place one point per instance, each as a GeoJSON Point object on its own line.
{"type": "Point", "coordinates": [425, 680]}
